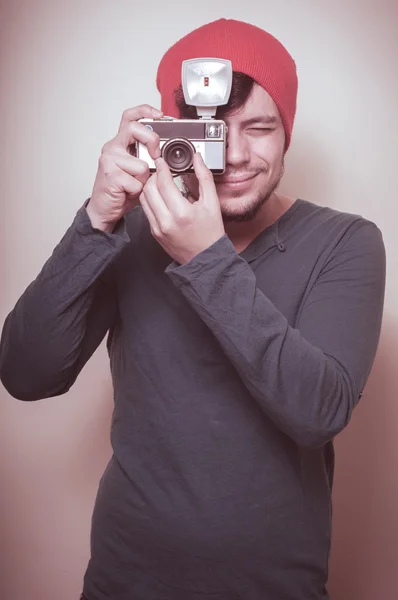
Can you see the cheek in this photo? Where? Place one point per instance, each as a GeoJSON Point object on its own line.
{"type": "Point", "coordinates": [269, 150]}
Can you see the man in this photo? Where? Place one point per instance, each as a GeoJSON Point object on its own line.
{"type": "Point", "coordinates": [242, 328]}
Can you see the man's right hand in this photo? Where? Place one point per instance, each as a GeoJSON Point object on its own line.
{"type": "Point", "coordinates": [120, 176]}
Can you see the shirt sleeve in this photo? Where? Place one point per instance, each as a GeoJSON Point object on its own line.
{"type": "Point", "coordinates": [307, 379]}
{"type": "Point", "coordinates": [63, 315]}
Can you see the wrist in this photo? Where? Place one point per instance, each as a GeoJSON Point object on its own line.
{"type": "Point", "coordinates": [97, 222]}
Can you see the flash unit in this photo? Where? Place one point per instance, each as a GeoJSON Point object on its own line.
{"type": "Point", "coordinates": [206, 83]}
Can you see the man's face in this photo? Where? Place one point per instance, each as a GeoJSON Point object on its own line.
{"type": "Point", "coordinates": [254, 158]}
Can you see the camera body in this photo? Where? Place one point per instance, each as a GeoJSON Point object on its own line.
{"type": "Point", "coordinates": [181, 138]}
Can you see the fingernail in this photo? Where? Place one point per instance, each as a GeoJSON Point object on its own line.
{"type": "Point", "coordinates": [158, 162]}
{"type": "Point", "coordinates": [157, 113]}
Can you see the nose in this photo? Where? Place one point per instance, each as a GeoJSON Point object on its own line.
{"type": "Point", "coordinates": [237, 150]}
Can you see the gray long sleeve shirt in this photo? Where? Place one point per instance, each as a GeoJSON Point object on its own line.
{"type": "Point", "coordinates": [232, 374]}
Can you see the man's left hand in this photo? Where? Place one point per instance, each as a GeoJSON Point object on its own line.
{"type": "Point", "coordinates": [182, 228]}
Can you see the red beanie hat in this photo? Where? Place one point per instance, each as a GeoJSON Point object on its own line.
{"type": "Point", "coordinates": [251, 50]}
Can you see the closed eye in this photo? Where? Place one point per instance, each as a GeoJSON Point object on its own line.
{"type": "Point", "coordinates": [261, 130]}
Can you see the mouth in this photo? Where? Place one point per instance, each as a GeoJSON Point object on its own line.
{"type": "Point", "coordinates": [234, 181]}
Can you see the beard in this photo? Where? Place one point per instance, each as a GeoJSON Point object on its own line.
{"type": "Point", "coordinates": [249, 208]}
{"type": "Point", "coordinates": [252, 206]}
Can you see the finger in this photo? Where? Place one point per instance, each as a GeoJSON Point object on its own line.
{"type": "Point", "coordinates": [116, 179]}
{"type": "Point", "coordinates": [113, 167]}
{"type": "Point", "coordinates": [153, 224]}
{"type": "Point", "coordinates": [133, 166]}
{"type": "Point", "coordinates": [139, 112]}
{"type": "Point", "coordinates": [168, 189]}
{"type": "Point", "coordinates": [207, 187]}
{"type": "Point", "coordinates": [122, 182]}
{"type": "Point", "coordinates": [137, 132]}
{"type": "Point", "coordinates": [157, 203]}
{"type": "Point", "coordinates": [131, 133]}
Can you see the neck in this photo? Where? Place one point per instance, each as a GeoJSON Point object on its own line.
{"type": "Point", "coordinates": [242, 233]}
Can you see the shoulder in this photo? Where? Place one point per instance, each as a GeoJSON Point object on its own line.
{"type": "Point", "coordinates": [318, 214]}
{"type": "Point", "coordinates": [336, 227]}
{"type": "Point", "coordinates": [351, 244]}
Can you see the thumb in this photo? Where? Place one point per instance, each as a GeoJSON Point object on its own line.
{"type": "Point", "coordinates": [207, 187]}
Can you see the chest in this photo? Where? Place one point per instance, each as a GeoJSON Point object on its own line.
{"type": "Point", "coordinates": [152, 307]}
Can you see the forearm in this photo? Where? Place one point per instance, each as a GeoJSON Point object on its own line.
{"type": "Point", "coordinates": [53, 323]}
{"type": "Point", "coordinates": [307, 389]}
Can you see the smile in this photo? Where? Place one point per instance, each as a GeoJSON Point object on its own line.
{"type": "Point", "coordinates": [235, 182]}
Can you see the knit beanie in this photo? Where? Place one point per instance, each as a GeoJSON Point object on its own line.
{"type": "Point", "coordinates": [251, 50]}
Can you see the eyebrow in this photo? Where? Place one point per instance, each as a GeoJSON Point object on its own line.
{"type": "Point", "coordinates": [263, 120]}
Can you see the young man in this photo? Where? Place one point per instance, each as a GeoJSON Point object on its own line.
{"type": "Point", "coordinates": [242, 328]}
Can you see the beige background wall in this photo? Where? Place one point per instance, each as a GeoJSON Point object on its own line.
{"type": "Point", "coordinates": [68, 69]}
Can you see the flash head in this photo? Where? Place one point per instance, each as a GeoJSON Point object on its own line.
{"type": "Point", "coordinates": [206, 83]}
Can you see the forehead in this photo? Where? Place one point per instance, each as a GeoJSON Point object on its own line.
{"type": "Point", "coordinates": [259, 104]}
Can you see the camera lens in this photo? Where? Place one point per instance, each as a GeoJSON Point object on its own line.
{"type": "Point", "coordinates": [178, 154]}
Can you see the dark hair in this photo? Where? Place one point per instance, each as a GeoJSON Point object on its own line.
{"type": "Point", "coordinates": [242, 86]}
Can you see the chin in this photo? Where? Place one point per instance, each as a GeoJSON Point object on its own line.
{"type": "Point", "coordinates": [242, 209]}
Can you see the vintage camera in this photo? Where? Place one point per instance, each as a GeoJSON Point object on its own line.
{"type": "Point", "coordinates": [181, 138]}
{"type": "Point", "coordinates": [206, 83]}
